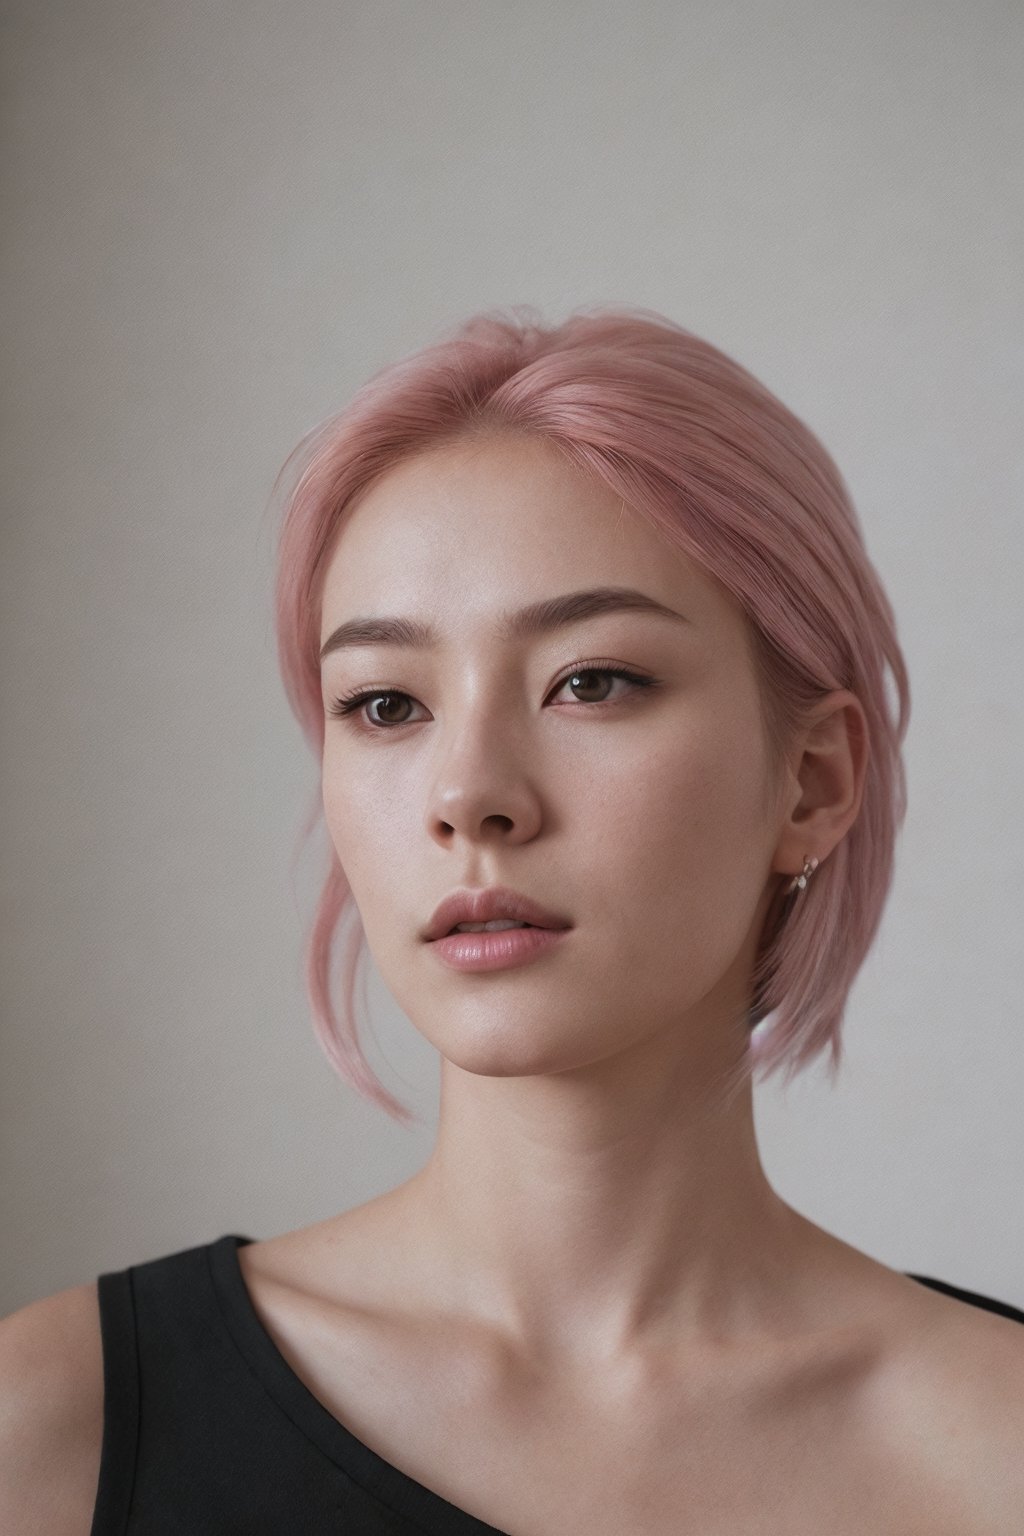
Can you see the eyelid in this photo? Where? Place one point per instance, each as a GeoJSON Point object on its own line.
{"type": "Point", "coordinates": [349, 703]}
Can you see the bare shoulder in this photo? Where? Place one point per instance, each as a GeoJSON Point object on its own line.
{"type": "Point", "coordinates": [959, 1375]}
{"type": "Point", "coordinates": [359, 1259]}
{"type": "Point", "coordinates": [982, 1351]}
{"type": "Point", "coordinates": [51, 1414]}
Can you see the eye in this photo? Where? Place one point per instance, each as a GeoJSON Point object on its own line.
{"type": "Point", "coordinates": [394, 698]}
{"type": "Point", "coordinates": [350, 702]}
{"type": "Point", "coordinates": [587, 673]}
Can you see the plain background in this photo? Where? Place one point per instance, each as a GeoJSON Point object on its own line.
{"type": "Point", "coordinates": [220, 219]}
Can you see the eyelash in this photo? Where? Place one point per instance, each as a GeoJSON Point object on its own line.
{"type": "Point", "coordinates": [350, 702]}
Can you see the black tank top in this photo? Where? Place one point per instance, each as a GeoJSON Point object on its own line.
{"type": "Point", "coordinates": [207, 1429]}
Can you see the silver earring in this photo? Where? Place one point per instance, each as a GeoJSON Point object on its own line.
{"type": "Point", "coordinates": [799, 882]}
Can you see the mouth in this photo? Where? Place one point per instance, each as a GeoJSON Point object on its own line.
{"type": "Point", "coordinates": [497, 926]}
{"type": "Point", "coordinates": [503, 947]}
{"type": "Point", "coordinates": [493, 909]}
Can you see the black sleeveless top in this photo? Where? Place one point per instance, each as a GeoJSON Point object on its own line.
{"type": "Point", "coordinates": [207, 1429]}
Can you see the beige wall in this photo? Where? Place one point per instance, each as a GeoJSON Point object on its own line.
{"type": "Point", "coordinates": [219, 220]}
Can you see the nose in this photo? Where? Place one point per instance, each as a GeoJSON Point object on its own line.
{"type": "Point", "coordinates": [483, 789]}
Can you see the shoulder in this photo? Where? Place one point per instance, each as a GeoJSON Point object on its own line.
{"type": "Point", "coordinates": [958, 1374]}
{"type": "Point", "coordinates": [969, 1342]}
{"type": "Point", "coordinates": [359, 1259]}
{"type": "Point", "coordinates": [51, 1414]}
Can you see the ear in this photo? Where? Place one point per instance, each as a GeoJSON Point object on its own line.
{"type": "Point", "coordinates": [827, 767]}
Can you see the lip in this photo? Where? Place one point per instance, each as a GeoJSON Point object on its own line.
{"type": "Point", "coordinates": [482, 904]}
{"type": "Point", "coordinates": [497, 951]}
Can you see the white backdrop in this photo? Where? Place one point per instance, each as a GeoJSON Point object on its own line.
{"type": "Point", "coordinates": [220, 220]}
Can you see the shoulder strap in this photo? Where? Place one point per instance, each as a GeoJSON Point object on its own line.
{"type": "Point", "coordinates": [974, 1298]}
{"type": "Point", "coordinates": [120, 1404]}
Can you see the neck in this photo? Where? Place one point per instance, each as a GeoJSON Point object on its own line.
{"type": "Point", "coordinates": [596, 1211]}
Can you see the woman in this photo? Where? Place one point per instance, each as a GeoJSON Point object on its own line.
{"type": "Point", "coordinates": [581, 626]}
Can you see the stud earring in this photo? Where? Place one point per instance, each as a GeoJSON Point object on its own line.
{"type": "Point", "coordinates": [799, 882]}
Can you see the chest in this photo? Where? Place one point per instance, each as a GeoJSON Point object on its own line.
{"type": "Point", "coordinates": [665, 1457]}
{"type": "Point", "coordinates": [583, 1476]}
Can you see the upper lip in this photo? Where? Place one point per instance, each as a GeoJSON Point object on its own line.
{"type": "Point", "coordinates": [484, 904]}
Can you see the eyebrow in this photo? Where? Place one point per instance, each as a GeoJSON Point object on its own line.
{"type": "Point", "coordinates": [536, 619]}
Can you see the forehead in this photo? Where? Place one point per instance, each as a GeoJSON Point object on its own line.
{"type": "Point", "coordinates": [465, 530]}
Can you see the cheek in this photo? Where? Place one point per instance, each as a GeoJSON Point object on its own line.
{"type": "Point", "coordinates": [682, 844]}
{"type": "Point", "coordinates": [698, 789]}
{"type": "Point", "coordinates": [342, 815]}
{"type": "Point", "coordinates": [369, 827]}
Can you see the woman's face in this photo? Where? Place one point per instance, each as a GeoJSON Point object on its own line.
{"type": "Point", "coordinates": [640, 813]}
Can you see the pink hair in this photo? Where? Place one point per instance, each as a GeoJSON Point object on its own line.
{"type": "Point", "coordinates": [692, 441]}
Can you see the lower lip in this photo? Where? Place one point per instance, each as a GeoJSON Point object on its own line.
{"type": "Point", "coordinates": [497, 950]}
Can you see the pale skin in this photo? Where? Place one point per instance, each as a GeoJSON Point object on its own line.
{"type": "Point", "coordinates": [580, 1198]}
{"type": "Point", "coordinates": [591, 1283]}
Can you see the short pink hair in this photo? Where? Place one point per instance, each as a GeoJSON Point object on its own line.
{"type": "Point", "coordinates": [692, 441]}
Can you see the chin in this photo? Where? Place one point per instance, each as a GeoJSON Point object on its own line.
{"type": "Point", "coordinates": [494, 1047]}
